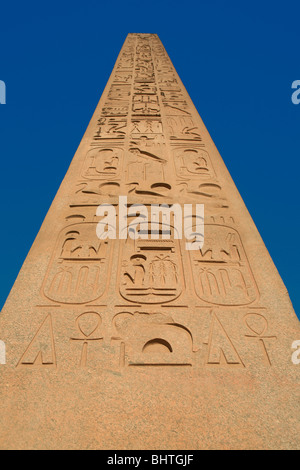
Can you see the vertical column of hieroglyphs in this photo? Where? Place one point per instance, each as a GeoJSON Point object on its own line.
{"type": "Point", "coordinates": [149, 300]}
{"type": "Point", "coordinates": [224, 290]}
{"type": "Point", "coordinates": [150, 271]}
{"type": "Point", "coordinates": [75, 288]}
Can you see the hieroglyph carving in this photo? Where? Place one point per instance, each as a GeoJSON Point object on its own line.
{"type": "Point", "coordinates": [221, 271]}
{"type": "Point", "coordinates": [79, 269]}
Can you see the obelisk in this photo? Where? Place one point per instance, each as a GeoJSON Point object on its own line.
{"type": "Point", "coordinates": [141, 343]}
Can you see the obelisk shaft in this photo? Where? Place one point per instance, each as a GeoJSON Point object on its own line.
{"type": "Point", "coordinates": [143, 344]}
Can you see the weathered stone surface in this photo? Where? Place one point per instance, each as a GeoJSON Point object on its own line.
{"type": "Point", "coordinates": [130, 345]}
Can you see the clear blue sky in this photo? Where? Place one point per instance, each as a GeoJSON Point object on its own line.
{"type": "Point", "coordinates": [237, 59]}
